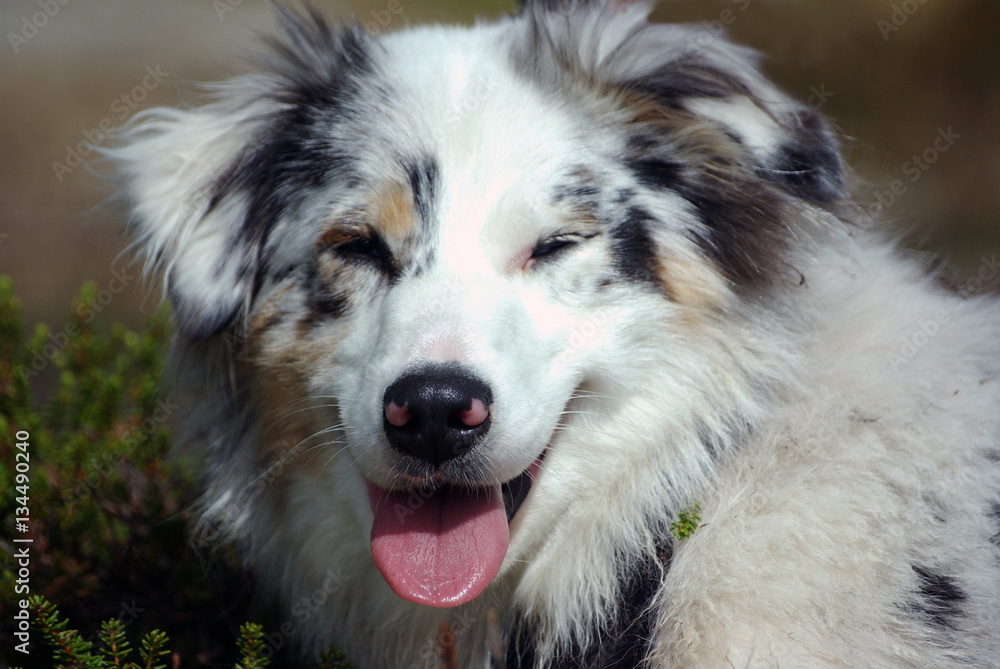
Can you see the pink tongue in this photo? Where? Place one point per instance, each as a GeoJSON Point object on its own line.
{"type": "Point", "coordinates": [441, 548]}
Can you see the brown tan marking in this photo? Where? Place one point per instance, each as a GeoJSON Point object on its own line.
{"type": "Point", "coordinates": [691, 283]}
{"type": "Point", "coordinates": [280, 359]}
{"type": "Point", "coordinates": [395, 217]}
{"type": "Point", "coordinates": [695, 140]}
{"type": "Point", "coordinates": [392, 216]}
{"type": "Point", "coordinates": [339, 232]}
{"type": "Point", "coordinates": [581, 220]}
{"type": "Point", "coordinates": [267, 315]}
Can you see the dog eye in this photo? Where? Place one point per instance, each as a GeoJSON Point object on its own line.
{"type": "Point", "coordinates": [365, 248]}
{"type": "Point", "coordinates": [553, 246]}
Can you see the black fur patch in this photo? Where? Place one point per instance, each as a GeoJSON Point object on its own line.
{"type": "Point", "coordinates": [744, 233]}
{"type": "Point", "coordinates": [656, 172]}
{"type": "Point", "coordinates": [624, 642]}
{"type": "Point", "coordinates": [995, 513]}
{"type": "Point", "coordinates": [679, 80]}
{"type": "Point", "coordinates": [318, 69]}
{"type": "Point", "coordinates": [322, 300]}
{"type": "Point", "coordinates": [295, 152]}
{"type": "Point", "coordinates": [580, 193]}
{"type": "Point", "coordinates": [939, 598]}
{"type": "Point", "coordinates": [741, 212]}
{"type": "Point", "coordinates": [809, 166]}
{"type": "Point", "coordinates": [423, 178]}
{"type": "Point", "coordinates": [634, 250]}
{"type": "Point", "coordinates": [624, 195]}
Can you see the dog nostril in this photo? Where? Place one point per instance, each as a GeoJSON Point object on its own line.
{"type": "Point", "coordinates": [398, 416]}
{"type": "Point", "coordinates": [437, 414]}
{"type": "Point", "coordinates": [474, 416]}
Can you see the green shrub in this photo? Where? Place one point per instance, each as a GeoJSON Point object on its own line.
{"type": "Point", "coordinates": [71, 651]}
{"type": "Point", "coordinates": [108, 513]}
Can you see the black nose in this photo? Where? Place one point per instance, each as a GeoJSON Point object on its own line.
{"type": "Point", "coordinates": [437, 414]}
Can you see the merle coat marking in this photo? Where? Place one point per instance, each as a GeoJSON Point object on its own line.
{"type": "Point", "coordinates": [621, 274]}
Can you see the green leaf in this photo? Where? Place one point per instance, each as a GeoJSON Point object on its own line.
{"type": "Point", "coordinates": [687, 522]}
{"type": "Point", "coordinates": [71, 650]}
{"type": "Point", "coordinates": [154, 647]}
{"type": "Point", "coordinates": [116, 646]}
{"type": "Point", "coordinates": [251, 646]}
{"type": "Point", "coordinates": [332, 658]}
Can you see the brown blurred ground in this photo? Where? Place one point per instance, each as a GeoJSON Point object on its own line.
{"type": "Point", "coordinates": [889, 94]}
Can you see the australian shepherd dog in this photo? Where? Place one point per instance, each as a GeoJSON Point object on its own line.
{"type": "Point", "coordinates": [558, 342]}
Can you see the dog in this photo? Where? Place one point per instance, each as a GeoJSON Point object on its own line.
{"type": "Point", "coordinates": [560, 342]}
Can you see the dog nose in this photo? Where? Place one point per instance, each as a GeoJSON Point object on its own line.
{"type": "Point", "coordinates": [437, 414]}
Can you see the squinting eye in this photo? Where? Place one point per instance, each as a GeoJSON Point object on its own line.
{"type": "Point", "coordinates": [552, 247]}
{"type": "Point", "coordinates": [368, 250]}
{"type": "Point", "coordinates": [363, 246]}
{"type": "Point", "coordinates": [555, 246]}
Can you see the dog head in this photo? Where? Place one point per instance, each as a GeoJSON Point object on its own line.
{"type": "Point", "coordinates": [480, 276]}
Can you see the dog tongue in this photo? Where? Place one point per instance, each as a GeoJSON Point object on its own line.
{"type": "Point", "coordinates": [439, 548]}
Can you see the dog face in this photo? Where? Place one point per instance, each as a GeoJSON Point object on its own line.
{"type": "Point", "coordinates": [451, 262]}
{"type": "Point", "coordinates": [457, 296]}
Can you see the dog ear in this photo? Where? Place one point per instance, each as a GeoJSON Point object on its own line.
{"type": "Point", "coordinates": [567, 5]}
{"type": "Point", "coordinates": [206, 186]}
{"type": "Point", "coordinates": [699, 120]}
{"type": "Point", "coordinates": [781, 139]}
{"type": "Point", "coordinates": [168, 163]}
{"type": "Point", "coordinates": [692, 70]}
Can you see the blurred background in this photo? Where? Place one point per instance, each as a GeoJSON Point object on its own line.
{"type": "Point", "coordinates": [901, 79]}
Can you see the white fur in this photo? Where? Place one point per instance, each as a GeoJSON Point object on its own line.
{"type": "Point", "coordinates": [840, 467]}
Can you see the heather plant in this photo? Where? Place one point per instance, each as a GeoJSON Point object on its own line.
{"type": "Point", "coordinates": [107, 526]}
{"type": "Point", "coordinates": [113, 649]}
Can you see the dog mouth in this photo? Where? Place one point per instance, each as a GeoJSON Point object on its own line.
{"type": "Point", "coordinates": [516, 490]}
{"type": "Point", "coordinates": [443, 546]}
